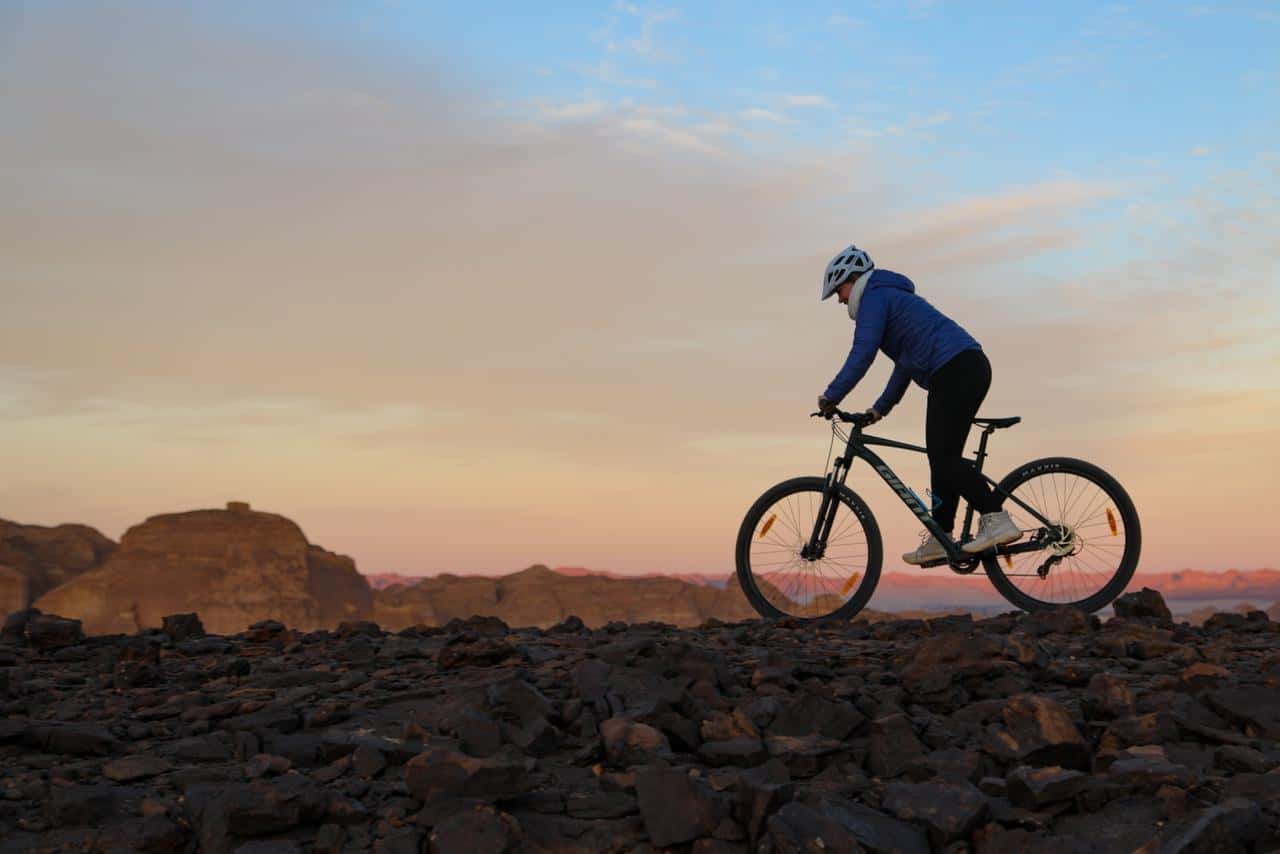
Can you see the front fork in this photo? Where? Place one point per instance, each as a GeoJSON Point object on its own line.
{"type": "Point", "coordinates": [816, 547]}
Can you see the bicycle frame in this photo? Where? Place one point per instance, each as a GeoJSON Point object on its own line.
{"type": "Point", "coordinates": [856, 448]}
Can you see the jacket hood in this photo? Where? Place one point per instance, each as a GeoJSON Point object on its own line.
{"type": "Point", "coordinates": [888, 279]}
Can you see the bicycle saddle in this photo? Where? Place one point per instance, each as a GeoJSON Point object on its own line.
{"type": "Point", "coordinates": [997, 423]}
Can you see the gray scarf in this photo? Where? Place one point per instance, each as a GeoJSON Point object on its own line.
{"type": "Point", "coordinates": [855, 295]}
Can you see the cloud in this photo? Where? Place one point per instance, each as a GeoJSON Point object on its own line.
{"type": "Point", "coordinates": [807, 101]}
{"type": "Point", "coordinates": [574, 110]}
{"type": "Point", "coordinates": [607, 72]}
{"type": "Point", "coordinates": [839, 19]}
{"type": "Point", "coordinates": [1199, 151]}
{"type": "Point", "coordinates": [974, 231]}
{"type": "Point", "coordinates": [643, 44]}
{"type": "Point", "coordinates": [760, 114]}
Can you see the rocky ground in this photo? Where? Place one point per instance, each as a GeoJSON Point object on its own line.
{"type": "Point", "coordinates": [1054, 732]}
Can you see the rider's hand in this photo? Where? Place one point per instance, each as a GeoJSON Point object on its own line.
{"type": "Point", "coordinates": [825, 407]}
{"type": "Point", "coordinates": [872, 416]}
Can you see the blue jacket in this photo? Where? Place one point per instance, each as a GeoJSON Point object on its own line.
{"type": "Point", "coordinates": [919, 338]}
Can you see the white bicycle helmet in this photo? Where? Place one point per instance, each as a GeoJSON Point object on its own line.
{"type": "Point", "coordinates": [850, 262]}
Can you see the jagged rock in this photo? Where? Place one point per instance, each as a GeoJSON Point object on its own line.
{"type": "Point", "coordinates": [813, 714]}
{"type": "Point", "coordinates": [482, 830]}
{"type": "Point", "coordinates": [1033, 787]}
{"type": "Point", "coordinates": [1226, 827]}
{"type": "Point", "coordinates": [675, 807]}
{"type": "Point", "coordinates": [1147, 773]}
{"type": "Point", "coordinates": [69, 739]}
{"type": "Point", "coordinates": [519, 701]}
{"type": "Point", "coordinates": [47, 632]}
{"type": "Point", "coordinates": [951, 764]}
{"type": "Point", "coordinates": [1143, 604]}
{"type": "Point", "coordinates": [153, 834]}
{"type": "Point", "coordinates": [182, 627]}
{"type": "Point", "coordinates": [1107, 696]}
{"type": "Point", "coordinates": [15, 624]}
{"type": "Point", "coordinates": [629, 743]}
{"type": "Point", "coordinates": [742, 751]}
{"type": "Point", "coordinates": [444, 772]}
{"type": "Point", "coordinates": [82, 805]}
{"type": "Point", "coordinates": [932, 667]}
{"type": "Point", "coordinates": [949, 811]}
{"type": "Point", "coordinates": [1057, 621]}
{"type": "Point", "coordinates": [894, 746]}
{"type": "Point", "coordinates": [1202, 675]}
{"type": "Point", "coordinates": [1237, 757]}
{"type": "Point", "coordinates": [845, 825]}
{"type": "Point", "coordinates": [798, 828]}
{"type": "Point", "coordinates": [1258, 709]}
{"type": "Point", "coordinates": [129, 768]}
{"type": "Point", "coordinates": [481, 652]}
{"type": "Point", "coordinates": [1153, 728]}
{"type": "Point", "coordinates": [1038, 731]}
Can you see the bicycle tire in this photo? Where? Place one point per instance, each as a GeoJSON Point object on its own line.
{"type": "Point", "coordinates": [1128, 516]}
{"type": "Point", "coordinates": [747, 532]}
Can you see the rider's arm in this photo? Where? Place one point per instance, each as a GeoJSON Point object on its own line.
{"type": "Point", "coordinates": [893, 392]}
{"type": "Point", "coordinates": [866, 340]}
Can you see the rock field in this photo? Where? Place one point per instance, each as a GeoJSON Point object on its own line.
{"type": "Point", "coordinates": [1052, 732]}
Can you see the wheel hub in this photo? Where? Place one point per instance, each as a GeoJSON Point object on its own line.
{"type": "Point", "coordinates": [810, 555]}
{"type": "Point", "coordinates": [1066, 544]}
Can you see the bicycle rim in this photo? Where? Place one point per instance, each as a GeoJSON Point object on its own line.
{"type": "Point", "coordinates": [1098, 552]}
{"type": "Point", "coordinates": [776, 531]}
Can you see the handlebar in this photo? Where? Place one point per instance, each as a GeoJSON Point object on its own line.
{"type": "Point", "coordinates": [857, 419]}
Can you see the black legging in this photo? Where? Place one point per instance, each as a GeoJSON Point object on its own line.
{"type": "Point", "coordinates": [956, 390]}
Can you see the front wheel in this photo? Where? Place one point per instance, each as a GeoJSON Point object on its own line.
{"type": "Point", "coordinates": [780, 580]}
{"type": "Point", "coordinates": [1087, 558]}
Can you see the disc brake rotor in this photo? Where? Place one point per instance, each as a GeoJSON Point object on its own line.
{"type": "Point", "coordinates": [1067, 544]}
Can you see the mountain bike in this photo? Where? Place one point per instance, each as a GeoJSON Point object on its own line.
{"type": "Point", "coordinates": [810, 548]}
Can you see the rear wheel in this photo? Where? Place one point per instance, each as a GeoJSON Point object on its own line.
{"type": "Point", "coordinates": [780, 581]}
{"type": "Point", "coordinates": [1088, 557]}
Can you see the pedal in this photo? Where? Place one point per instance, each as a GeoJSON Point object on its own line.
{"type": "Point", "coordinates": [932, 563]}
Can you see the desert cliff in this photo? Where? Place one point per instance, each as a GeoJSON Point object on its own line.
{"type": "Point", "coordinates": [34, 559]}
{"type": "Point", "coordinates": [235, 567]}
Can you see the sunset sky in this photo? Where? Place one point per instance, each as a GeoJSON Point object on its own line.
{"type": "Point", "coordinates": [467, 287]}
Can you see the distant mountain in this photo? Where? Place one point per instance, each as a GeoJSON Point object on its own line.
{"type": "Point", "coordinates": [542, 597]}
{"type": "Point", "coordinates": [383, 580]}
{"type": "Point", "coordinates": [939, 589]}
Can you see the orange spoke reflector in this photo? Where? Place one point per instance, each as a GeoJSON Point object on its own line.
{"type": "Point", "coordinates": [769, 524]}
{"type": "Point", "coordinates": [848, 585]}
{"type": "Point", "coordinates": [1111, 520]}
{"type": "Point", "coordinates": [1008, 560]}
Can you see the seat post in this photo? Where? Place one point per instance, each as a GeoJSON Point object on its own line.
{"type": "Point", "coordinates": [982, 445]}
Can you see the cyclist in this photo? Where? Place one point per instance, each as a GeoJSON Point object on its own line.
{"type": "Point", "coordinates": [932, 349]}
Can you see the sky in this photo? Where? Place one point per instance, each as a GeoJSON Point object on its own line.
{"type": "Point", "coordinates": [466, 288]}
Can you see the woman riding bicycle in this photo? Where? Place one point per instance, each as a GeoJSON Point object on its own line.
{"type": "Point", "coordinates": [930, 348]}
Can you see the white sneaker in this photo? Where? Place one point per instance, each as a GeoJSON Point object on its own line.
{"type": "Point", "coordinates": [930, 549]}
{"type": "Point", "coordinates": [994, 529]}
